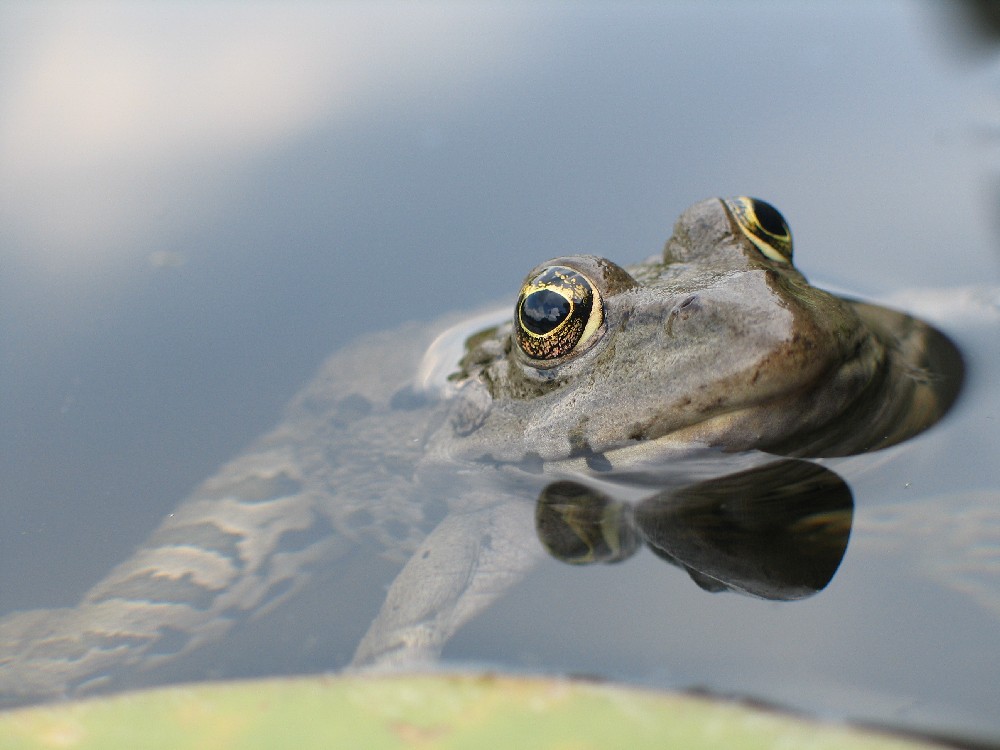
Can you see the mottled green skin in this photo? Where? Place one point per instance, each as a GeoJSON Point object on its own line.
{"type": "Point", "coordinates": [709, 345]}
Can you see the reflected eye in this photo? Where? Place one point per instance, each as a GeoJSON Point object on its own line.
{"type": "Point", "coordinates": [764, 226]}
{"type": "Point", "coordinates": [558, 313]}
{"type": "Point", "coordinates": [580, 525]}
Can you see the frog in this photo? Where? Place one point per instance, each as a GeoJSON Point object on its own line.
{"type": "Point", "coordinates": [437, 445]}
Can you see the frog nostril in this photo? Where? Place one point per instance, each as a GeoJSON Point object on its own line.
{"type": "Point", "coordinates": [681, 311]}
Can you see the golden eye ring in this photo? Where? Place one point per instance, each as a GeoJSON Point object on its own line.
{"type": "Point", "coordinates": [764, 226]}
{"type": "Point", "coordinates": [558, 312]}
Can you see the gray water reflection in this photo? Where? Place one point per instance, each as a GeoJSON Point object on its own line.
{"type": "Point", "coordinates": [324, 172]}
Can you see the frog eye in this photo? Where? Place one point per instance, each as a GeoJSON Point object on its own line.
{"type": "Point", "coordinates": [764, 226]}
{"type": "Point", "coordinates": [580, 525]}
{"type": "Point", "coordinates": [558, 313]}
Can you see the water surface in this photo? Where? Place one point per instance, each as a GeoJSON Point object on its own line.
{"type": "Point", "coordinates": [198, 204]}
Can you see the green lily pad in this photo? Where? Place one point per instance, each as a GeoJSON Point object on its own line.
{"type": "Point", "coordinates": [423, 711]}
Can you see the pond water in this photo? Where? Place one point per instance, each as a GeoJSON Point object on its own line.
{"type": "Point", "coordinates": [199, 204]}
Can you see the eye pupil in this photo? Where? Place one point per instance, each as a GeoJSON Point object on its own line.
{"type": "Point", "coordinates": [544, 310]}
{"type": "Point", "coordinates": [769, 219]}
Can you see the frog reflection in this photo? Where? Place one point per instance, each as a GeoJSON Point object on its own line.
{"type": "Point", "coordinates": [777, 532]}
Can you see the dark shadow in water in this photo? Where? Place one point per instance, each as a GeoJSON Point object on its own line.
{"type": "Point", "coordinates": [970, 29]}
{"type": "Point", "coordinates": [969, 32]}
{"type": "Point", "coordinates": [777, 532]}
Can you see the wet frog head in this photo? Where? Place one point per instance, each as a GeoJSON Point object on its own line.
{"type": "Point", "coordinates": [720, 341]}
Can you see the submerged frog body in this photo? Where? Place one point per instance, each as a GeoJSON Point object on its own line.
{"type": "Point", "coordinates": [717, 347]}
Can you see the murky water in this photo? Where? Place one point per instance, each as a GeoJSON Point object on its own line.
{"type": "Point", "coordinates": [198, 205]}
